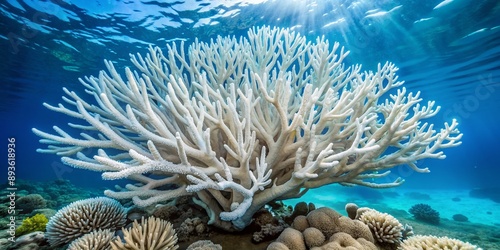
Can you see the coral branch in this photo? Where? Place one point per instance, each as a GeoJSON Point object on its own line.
{"type": "Point", "coordinates": [238, 123]}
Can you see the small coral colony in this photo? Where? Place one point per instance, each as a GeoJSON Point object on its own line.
{"type": "Point", "coordinates": [222, 131]}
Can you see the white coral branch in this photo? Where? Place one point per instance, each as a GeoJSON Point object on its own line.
{"type": "Point", "coordinates": [241, 122]}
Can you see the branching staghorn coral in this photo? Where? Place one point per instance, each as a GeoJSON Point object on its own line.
{"type": "Point", "coordinates": [241, 122]}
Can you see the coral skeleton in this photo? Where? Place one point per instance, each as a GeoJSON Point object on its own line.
{"type": "Point", "coordinates": [241, 122]}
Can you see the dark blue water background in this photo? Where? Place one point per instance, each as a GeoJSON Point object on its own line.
{"type": "Point", "coordinates": [449, 51]}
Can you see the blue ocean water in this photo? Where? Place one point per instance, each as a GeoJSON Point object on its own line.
{"type": "Point", "coordinates": [449, 50]}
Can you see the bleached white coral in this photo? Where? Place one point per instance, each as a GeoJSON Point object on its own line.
{"type": "Point", "coordinates": [82, 217]}
{"type": "Point", "coordinates": [385, 227]}
{"type": "Point", "coordinates": [429, 242]}
{"type": "Point", "coordinates": [241, 122]}
{"type": "Point", "coordinates": [151, 234]}
{"type": "Point", "coordinates": [95, 240]}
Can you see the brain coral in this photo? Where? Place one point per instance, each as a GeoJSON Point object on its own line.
{"type": "Point", "coordinates": [329, 221]}
{"type": "Point", "coordinates": [420, 242]}
{"type": "Point", "coordinates": [82, 217]}
{"type": "Point", "coordinates": [95, 240]}
{"type": "Point", "coordinates": [313, 237]}
{"type": "Point", "coordinates": [152, 234]}
{"type": "Point", "coordinates": [385, 228]}
{"type": "Point", "coordinates": [325, 228]}
{"type": "Point", "coordinates": [291, 239]}
{"type": "Point", "coordinates": [344, 241]}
